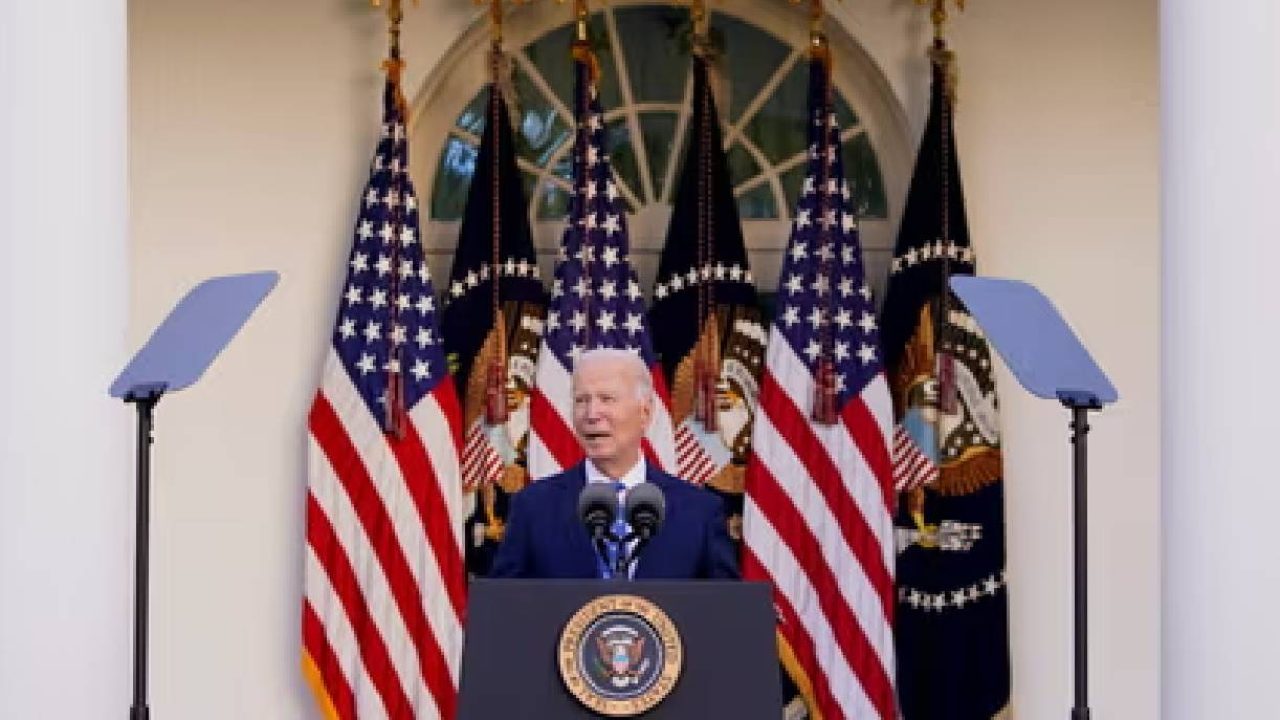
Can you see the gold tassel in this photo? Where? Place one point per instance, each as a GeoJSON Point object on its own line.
{"type": "Point", "coordinates": [824, 393]}
{"type": "Point", "coordinates": [495, 389]}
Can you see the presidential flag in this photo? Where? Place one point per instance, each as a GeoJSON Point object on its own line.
{"type": "Point", "coordinates": [595, 299]}
{"type": "Point", "coordinates": [817, 521]}
{"type": "Point", "coordinates": [711, 345]}
{"type": "Point", "coordinates": [952, 602]}
{"type": "Point", "coordinates": [384, 580]}
{"type": "Point", "coordinates": [491, 334]}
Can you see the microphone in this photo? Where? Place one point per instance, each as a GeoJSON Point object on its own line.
{"type": "Point", "coordinates": [646, 507]}
{"type": "Point", "coordinates": [597, 505]}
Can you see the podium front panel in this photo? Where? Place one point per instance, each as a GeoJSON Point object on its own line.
{"type": "Point", "coordinates": [510, 669]}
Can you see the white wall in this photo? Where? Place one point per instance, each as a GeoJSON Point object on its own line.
{"type": "Point", "coordinates": [251, 124]}
{"type": "Point", "coordinates": [66, 480]}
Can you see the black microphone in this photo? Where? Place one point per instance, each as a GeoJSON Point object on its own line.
{"type": "Point", "coordinates": [597, 505]}
{"type": "Point", "coordinates": [646, 507]}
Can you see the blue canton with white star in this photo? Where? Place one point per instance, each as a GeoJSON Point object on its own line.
{"type": "Point", "coordinates": [387, 320]}
{"type": "Point", "coordinates": [824, 306]}
{"type": "Point", "coordinates": [595, 299]}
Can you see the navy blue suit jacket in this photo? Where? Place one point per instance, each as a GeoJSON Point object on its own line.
{"type": "Point", "coordinates": [546, 539]}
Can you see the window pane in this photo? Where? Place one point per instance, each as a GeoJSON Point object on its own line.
{"type": "Point", "coordinates": [780, 129]}
{"type": "Point", "coordinates": [656, 41]}
{"type": "Point", "coordinates": [742, 167]}
{"type": "Point", "coordinates": [658, 130]}
{"type": "Point", "coordinates": [758, 204]}
{"type": "Point", "coordinates": [541, 129]}
{"type": "Point", "coordinates": [551, 55]}
{"type": "Point", "coordinates": [792, 180]}
{"type": "Point", "coordinates": [473, 117]}
{"type": "Point", "coordinates": [453, 178]}
{"type": "Point", "coordinates": [845, 116]}
{"type": "Point", "coordinates": [750, 58]}
{"type": "Point", "coordinates": [862, 170]}
{"type": "Point", "coordinates": [554, 201]}
{"type": "Point", "coordinates": [622, 155]}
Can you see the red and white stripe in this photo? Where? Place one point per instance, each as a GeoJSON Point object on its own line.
{"type": "Point", "coordinates": [911, 467]}
{"type": "Point", "coordinates": [817, 525]}
{"type": "Point", "coordinates": [384, 577]}
{"type": "Point", "coordinates": [481, 463]}
{"type": "Point", "coordinates": [700, 455]}
{"type": "Point", "coordinates": [552, 444]}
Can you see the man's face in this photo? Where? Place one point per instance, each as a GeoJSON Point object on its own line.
{"type": "Point", "coordinates": [608, 416]}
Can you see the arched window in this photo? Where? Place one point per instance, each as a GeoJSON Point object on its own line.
{"type": "Point", "coordinates": [761, 83]}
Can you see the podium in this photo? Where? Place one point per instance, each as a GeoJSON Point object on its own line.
{"type": "Point", "coordinates": [519, 656]}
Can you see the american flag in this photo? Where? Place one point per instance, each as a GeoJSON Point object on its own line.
{"type": "Point", "coordinates": [595, 300]}
{"type": "Point", "coordinates": [817, 521]}
{"type": "Point", "coordinates": [384, 582]}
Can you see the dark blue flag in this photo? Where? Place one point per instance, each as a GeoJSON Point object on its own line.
{"type": "Point", "coordinates": [951, 625]}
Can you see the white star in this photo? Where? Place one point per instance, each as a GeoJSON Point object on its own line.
{"type": "Point", "coordinates": [383, 265]}
{"type": "Point", "coordinates": [633, 323]}
{"type": "Point", "coordinates": [867, 323]}
{"type": "Point", "coordinates": [866, 354]}
{"type": "Point", "coordinates": [347, 329]}
{"type": "Point", "coordinates": [406, 269]}
{"type": "Point", "coordinates": [423, 338]}
{"type": "Point", "coordinates": [802, 218]}
{"type": "Point", "coordinates": [609, 256]}
{"type": "Point", "coordinates": [795, 284]}
{"type": "Point", "coordinates": [397, 334]}
{"type": "Point", "coordinates": [425, 304]}
{"type": "Point", "coordinates": [421, 370]}
{"type": "Point", "coordinates": [735, 272]}
{"type": "Point", "coordinates": [677, 283]}
{"type": "Point", "coordinates": [392, 198]}
{"type": "Point", "coordinates": [611, 191]}
{"type": "Point", "coordinates": [359, 262]}
{"type": "Point", "coordinates": [847, 222]}
{"type": "Point", "coordinates": [821, 285]}
{"type": "Point", "coordinates": [812, 350]}
{"type": "Point", "coordinates": [410, 202]}
{"type": "Point", "coordinates": [808, 186]}
{"type": "Point", "coordinates": [378, 298]}
{"type": "Point", "coordinates": [557, 288]}
{"type": "Point", "coordinates": [719, 270]}
{"type": "Point", "coordinates": [522, 268]}
{"type": "Point", "coordinates": [407, 236]}
{"type": "Point", "coordinates": [579, 321]}
{"type": "Point", "coordinates": [553, 320]}
{"type": "Point", "coordinates": [386, 233]}
{"type": "Point", "coordinates": [366, 364]}
{"type": "Point", "coordinates": [456, 289]}
{"type": "Point", "coordinates": [842, 351]}
{"type": "Point", "coordinates": [798, 252]}
{"type": "Point", "coordinates": [607, 291]}
{"type": "Point", "coordinates": [365, 230]}
{"type": "Point", "coordinates": [633, 290]}
{"type": "Point", "coordinates": [846, 255]}
{"type": "Point", "coordinates": [659, 291]}
{"type": "Point", "coordinates": [484, 271]}
{"type": "Point", "coordinates": [574, 351]}
{"type": "Point", "coordinates": [580, 287]}
{"type": "Point", "coordinates": [593, 156]}
{"type": "Point", "coordinates": [817, 318]}
{"type": "Point", "coordinates": [371, 198]}
{"type": "Point", "coordinates": [791, 315]}
{"type": "Point", "coordinates": [846, 287]}
{"type": "Point", "coordinates": [372, 331]}
{"type": "Point", "coordinates": [472, 279]}
{"type": "Point", "coordinates": [353, 294]}
{"type": "Point", "coordinates": [402, 302]}
{"type": "Point", "coordinates": [843, 319]}
{"type": "Point", "coordinates": [510, 266]}
{"type": "Point", "coordinates": [605, 321]}
{"type": "Point", "coordinates": [824, 252]}
{"type": "Point", "coordinates": [693, 276]}
{"type": "Point", "coordinates": [912, 257]}
{"type": "Point", "coordinates": [611, 224]}
{"type": "Point", "coordinates": [865, 291]}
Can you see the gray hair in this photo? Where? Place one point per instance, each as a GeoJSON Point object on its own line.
{"type": "Point", "coordinates": [631, 360]}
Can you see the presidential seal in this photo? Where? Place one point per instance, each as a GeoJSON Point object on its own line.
{"type": "Point", "coordinates": [620, 655]}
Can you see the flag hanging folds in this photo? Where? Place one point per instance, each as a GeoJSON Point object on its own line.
{"type": "Point", "coordinates": [493, 360]}
{"type": "Point", "coordinates": [952, 605]}
{"type": "Point", "coordinates": [595, 299]}
{"type": "Point", "coordinates": [384, 580]}
{"type": "Point", "coordinates": [819, 488]}
{"type": "Point", "coordinates": [711, 342]}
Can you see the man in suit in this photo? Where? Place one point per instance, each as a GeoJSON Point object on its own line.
{"type": "Point", "coordinates": [545, 538]}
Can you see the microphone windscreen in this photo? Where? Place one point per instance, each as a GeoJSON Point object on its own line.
{"type": "Point", "coordinates": [647, 497]}
{"type": "Point", "coordinates": [597, 503]}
